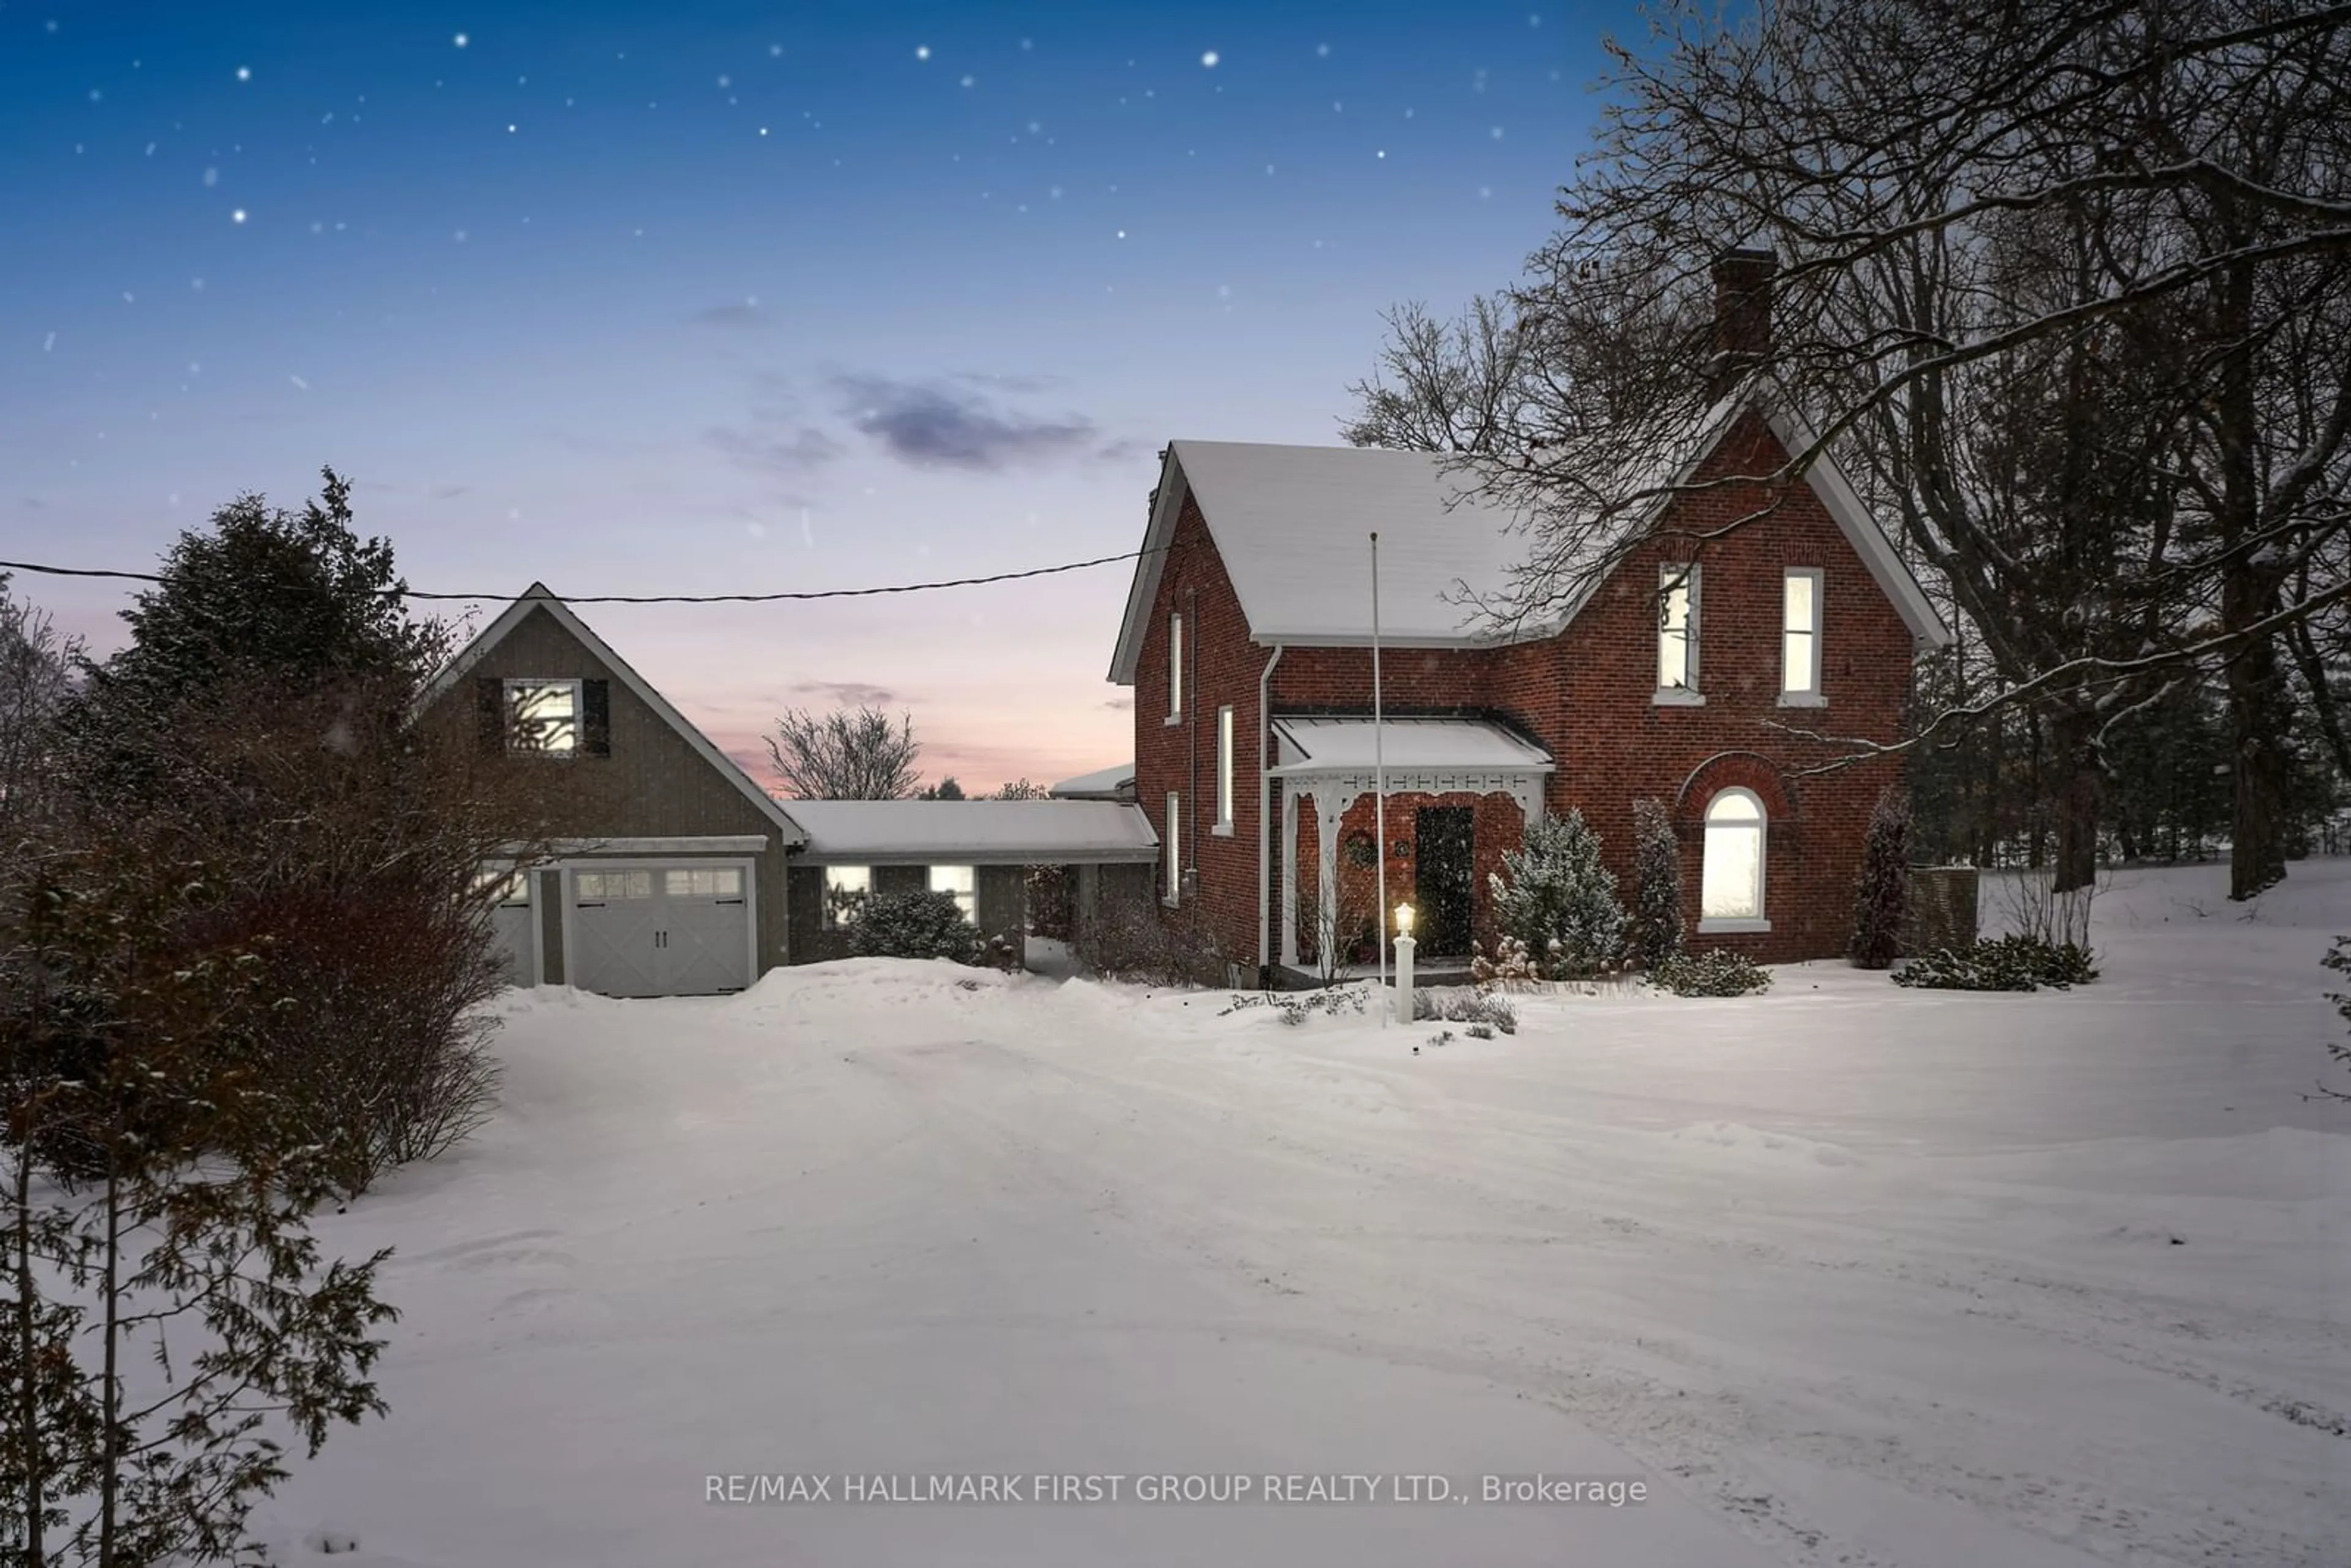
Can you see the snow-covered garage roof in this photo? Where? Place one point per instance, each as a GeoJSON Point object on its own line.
{"type": "Point", "coordinates": [973, 832]}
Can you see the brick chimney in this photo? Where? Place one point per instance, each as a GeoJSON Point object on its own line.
{"type": "Point", "coordinates": [1742, 316]}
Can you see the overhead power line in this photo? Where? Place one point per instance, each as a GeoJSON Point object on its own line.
{"type": "Point", "coordinates": [652, 598]}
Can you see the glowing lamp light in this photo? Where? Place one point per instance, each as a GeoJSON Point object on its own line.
{"type": "Point", "coordinates": [1404, 919]}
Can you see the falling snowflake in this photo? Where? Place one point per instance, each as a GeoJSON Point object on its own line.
{"type": "Point", "coordinates": [50, 341]}
{"type": "Point", "coordinates": [461, 41]}
{"type": "Point", "coordinates": [298, 382]}
{"type": "Point", "coordinates": [245, 73]}
{"type": "Point", "coordinates": [1210, 59]}
{"type": "Point", "coordinates": [967, 82]}
{"type": "Point", "coordinates": [237, 216]}
{"type": "Point", "coordinates": [922, 51]}
{"type": "Point", "coordinates": [775, 51]}
{"type": "Point", "coordinates": [1497, 133]}
{"type": "Point", "coordinates": [212, 176]}
{"type": "Point", "coordinates": [1321, 51]}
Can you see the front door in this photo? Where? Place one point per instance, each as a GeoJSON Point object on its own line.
{"type": "Point", "coordinates": [1442, 839]}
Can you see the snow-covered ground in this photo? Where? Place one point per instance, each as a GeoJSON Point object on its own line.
{"type": "Point", "coordinates": [1844, 1273]}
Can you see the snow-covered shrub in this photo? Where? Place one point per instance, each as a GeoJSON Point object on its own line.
{"type": "Point", "coordinates": [1882, 897]}
{"type": "Point", "coordinates": [921, 924]}
{"type": "Point", "coordinates": [1454, 1003]}
{"type": "Point", "coordinates": [2000, 963]}
{"type": "Point", "coordinates": [1510, 967]}
{"type": "Point", "coordinates": [1717, 972]}
{"type": "Point", "coordinates": [1559, 899]}
{"type": "Point", "coordinates": [1655, 934]}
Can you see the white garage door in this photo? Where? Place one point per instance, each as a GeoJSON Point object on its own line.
{"type": "Point", "coordinates": [660, 930]}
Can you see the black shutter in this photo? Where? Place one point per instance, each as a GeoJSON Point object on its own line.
{"type": "Point", "coordinates": [596, 718]}
{"type": "Point", "coordinates": [490, 707]}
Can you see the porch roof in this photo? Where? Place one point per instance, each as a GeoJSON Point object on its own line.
{"type": "Point", "coordinates": [1325, 746]}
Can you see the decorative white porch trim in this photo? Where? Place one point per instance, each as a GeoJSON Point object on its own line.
{"type": "Point", "coordinates": [1334, 793]}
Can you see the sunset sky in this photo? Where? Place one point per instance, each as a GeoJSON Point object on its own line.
{"type": "Point", "coordinates": [730, 298]}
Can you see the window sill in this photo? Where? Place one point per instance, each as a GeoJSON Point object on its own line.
{"type": "Point", "coordinates": [1729, 927]}
{"type": "Point", "coordinates": [1677, 696]}
{"type": "Point", "coordinates": [1802, 699]}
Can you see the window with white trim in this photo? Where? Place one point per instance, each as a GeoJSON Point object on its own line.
{"type": "Point", "coordinates": [1799, 637]}
{"type": "Point", "coordinates": [1175, 668]}
{"type": "Point", "coordinates": [604, 886]}
{"type": "Point", "coordinates": [962, 881]}
{"type": "Point", "coordinates": [1174, 867]}
{"type": "Point", "coordinates": [704, 882]}
{"type": "Point", "coordinates": [1678, 620]}
{"type": "Point", "coordinates": [543, 718]}
{"type": "Point", "coordinates": [846, 888]}
{"type": "Point", "coordinates": [1224, 770]}
{"type": "Point", "coordinates": [1730, 886]}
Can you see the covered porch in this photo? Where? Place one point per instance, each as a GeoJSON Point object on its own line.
{"type": "Point", "coordinates": [1439, 838]}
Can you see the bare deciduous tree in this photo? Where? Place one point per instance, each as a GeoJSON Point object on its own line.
{"type": "Point", "coordinates": [2133, 218]}
{"type": "Point", "coordinates": [850, 754]}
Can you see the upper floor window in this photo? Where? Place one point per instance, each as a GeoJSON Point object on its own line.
{"type": "Point", "coordinates": [961, 881]}
{"type": "Point", "coordinates": [1175, 668]}
{"type": "Point", "coordinates": [1224, 770]}
{"type": "Point", "coordinates": [1731, 884]}
{"type": "Point", "coordinates": [543, 717]}
{"type": "Point", "coordinates": [1799, 637]}
{"type": "Point", "coordinates": [1677, 624]}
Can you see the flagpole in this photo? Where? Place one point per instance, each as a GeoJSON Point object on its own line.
{"type": "Point", "coordinates": [1379, 781]}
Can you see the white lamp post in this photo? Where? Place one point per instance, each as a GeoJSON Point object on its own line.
{"type": "Point", "coordinates": [1403, 963]}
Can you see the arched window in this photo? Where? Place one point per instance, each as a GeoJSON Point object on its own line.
{"type": "Point", "coordinates": [1730, 889]}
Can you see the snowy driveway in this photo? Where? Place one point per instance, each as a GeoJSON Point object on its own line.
{"type": "Point", "coordinates": [1842, 1274]}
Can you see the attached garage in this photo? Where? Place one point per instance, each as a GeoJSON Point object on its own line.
{"type": "Point", "coordinates": [678, 928]}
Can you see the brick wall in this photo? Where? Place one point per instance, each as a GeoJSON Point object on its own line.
{"type": "Point", "coordinates": [1587, 695]}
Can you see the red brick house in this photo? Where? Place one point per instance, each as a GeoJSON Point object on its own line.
{"type": "Point", "coordinates": [1247, 640]}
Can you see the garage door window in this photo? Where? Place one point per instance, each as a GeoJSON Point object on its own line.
{"type": "Point", "coordinates": [704, 882]}
{"type": "Point", "coordinates": [607, 885]}
{"type": "Point", "coordinates": [960, 880]}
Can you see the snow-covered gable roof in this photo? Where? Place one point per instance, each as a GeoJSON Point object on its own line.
{"type": "Point", "coordinates": [973, 833]}
{"type": "Point", "coordinates": [538, 596]}
{"type": "Point", "coordinates": [1291, 525]}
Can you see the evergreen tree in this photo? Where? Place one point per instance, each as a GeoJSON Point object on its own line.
{"type": "Point", "coordinates": [1656, 929]}
{"type": "Point", "coordinates": [1881, 900]}
{"type": "Point", "coordinates": [1559, 899]}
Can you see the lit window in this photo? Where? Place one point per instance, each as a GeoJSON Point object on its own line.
{"type": "Point", "coordinates": [543, 718]}
{"type": "Point", "coordinates": [1174, 892]}
{"type": "Point", "coordinates": [704, 882]}
{"type": "Point", "coordinates": [845, 891]}
{"type": "Point", "coordinates": [961, 881]}
{"type": "Point", "coordinates": [1800, 635]}
{"type": "Point", "coordinates": [1731, 888]}
{"type": "Point", "coordinates": [1224, 770]}
{"type": "Point", "coordinates": [1174, 667]}
{"type": "Point", "coordinates": [1677, 589]}
{"type": "Point", "coordinates": [512, 886]}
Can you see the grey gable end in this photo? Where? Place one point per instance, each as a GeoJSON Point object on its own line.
{"type": "Point", "coordinates": [651, 793]}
